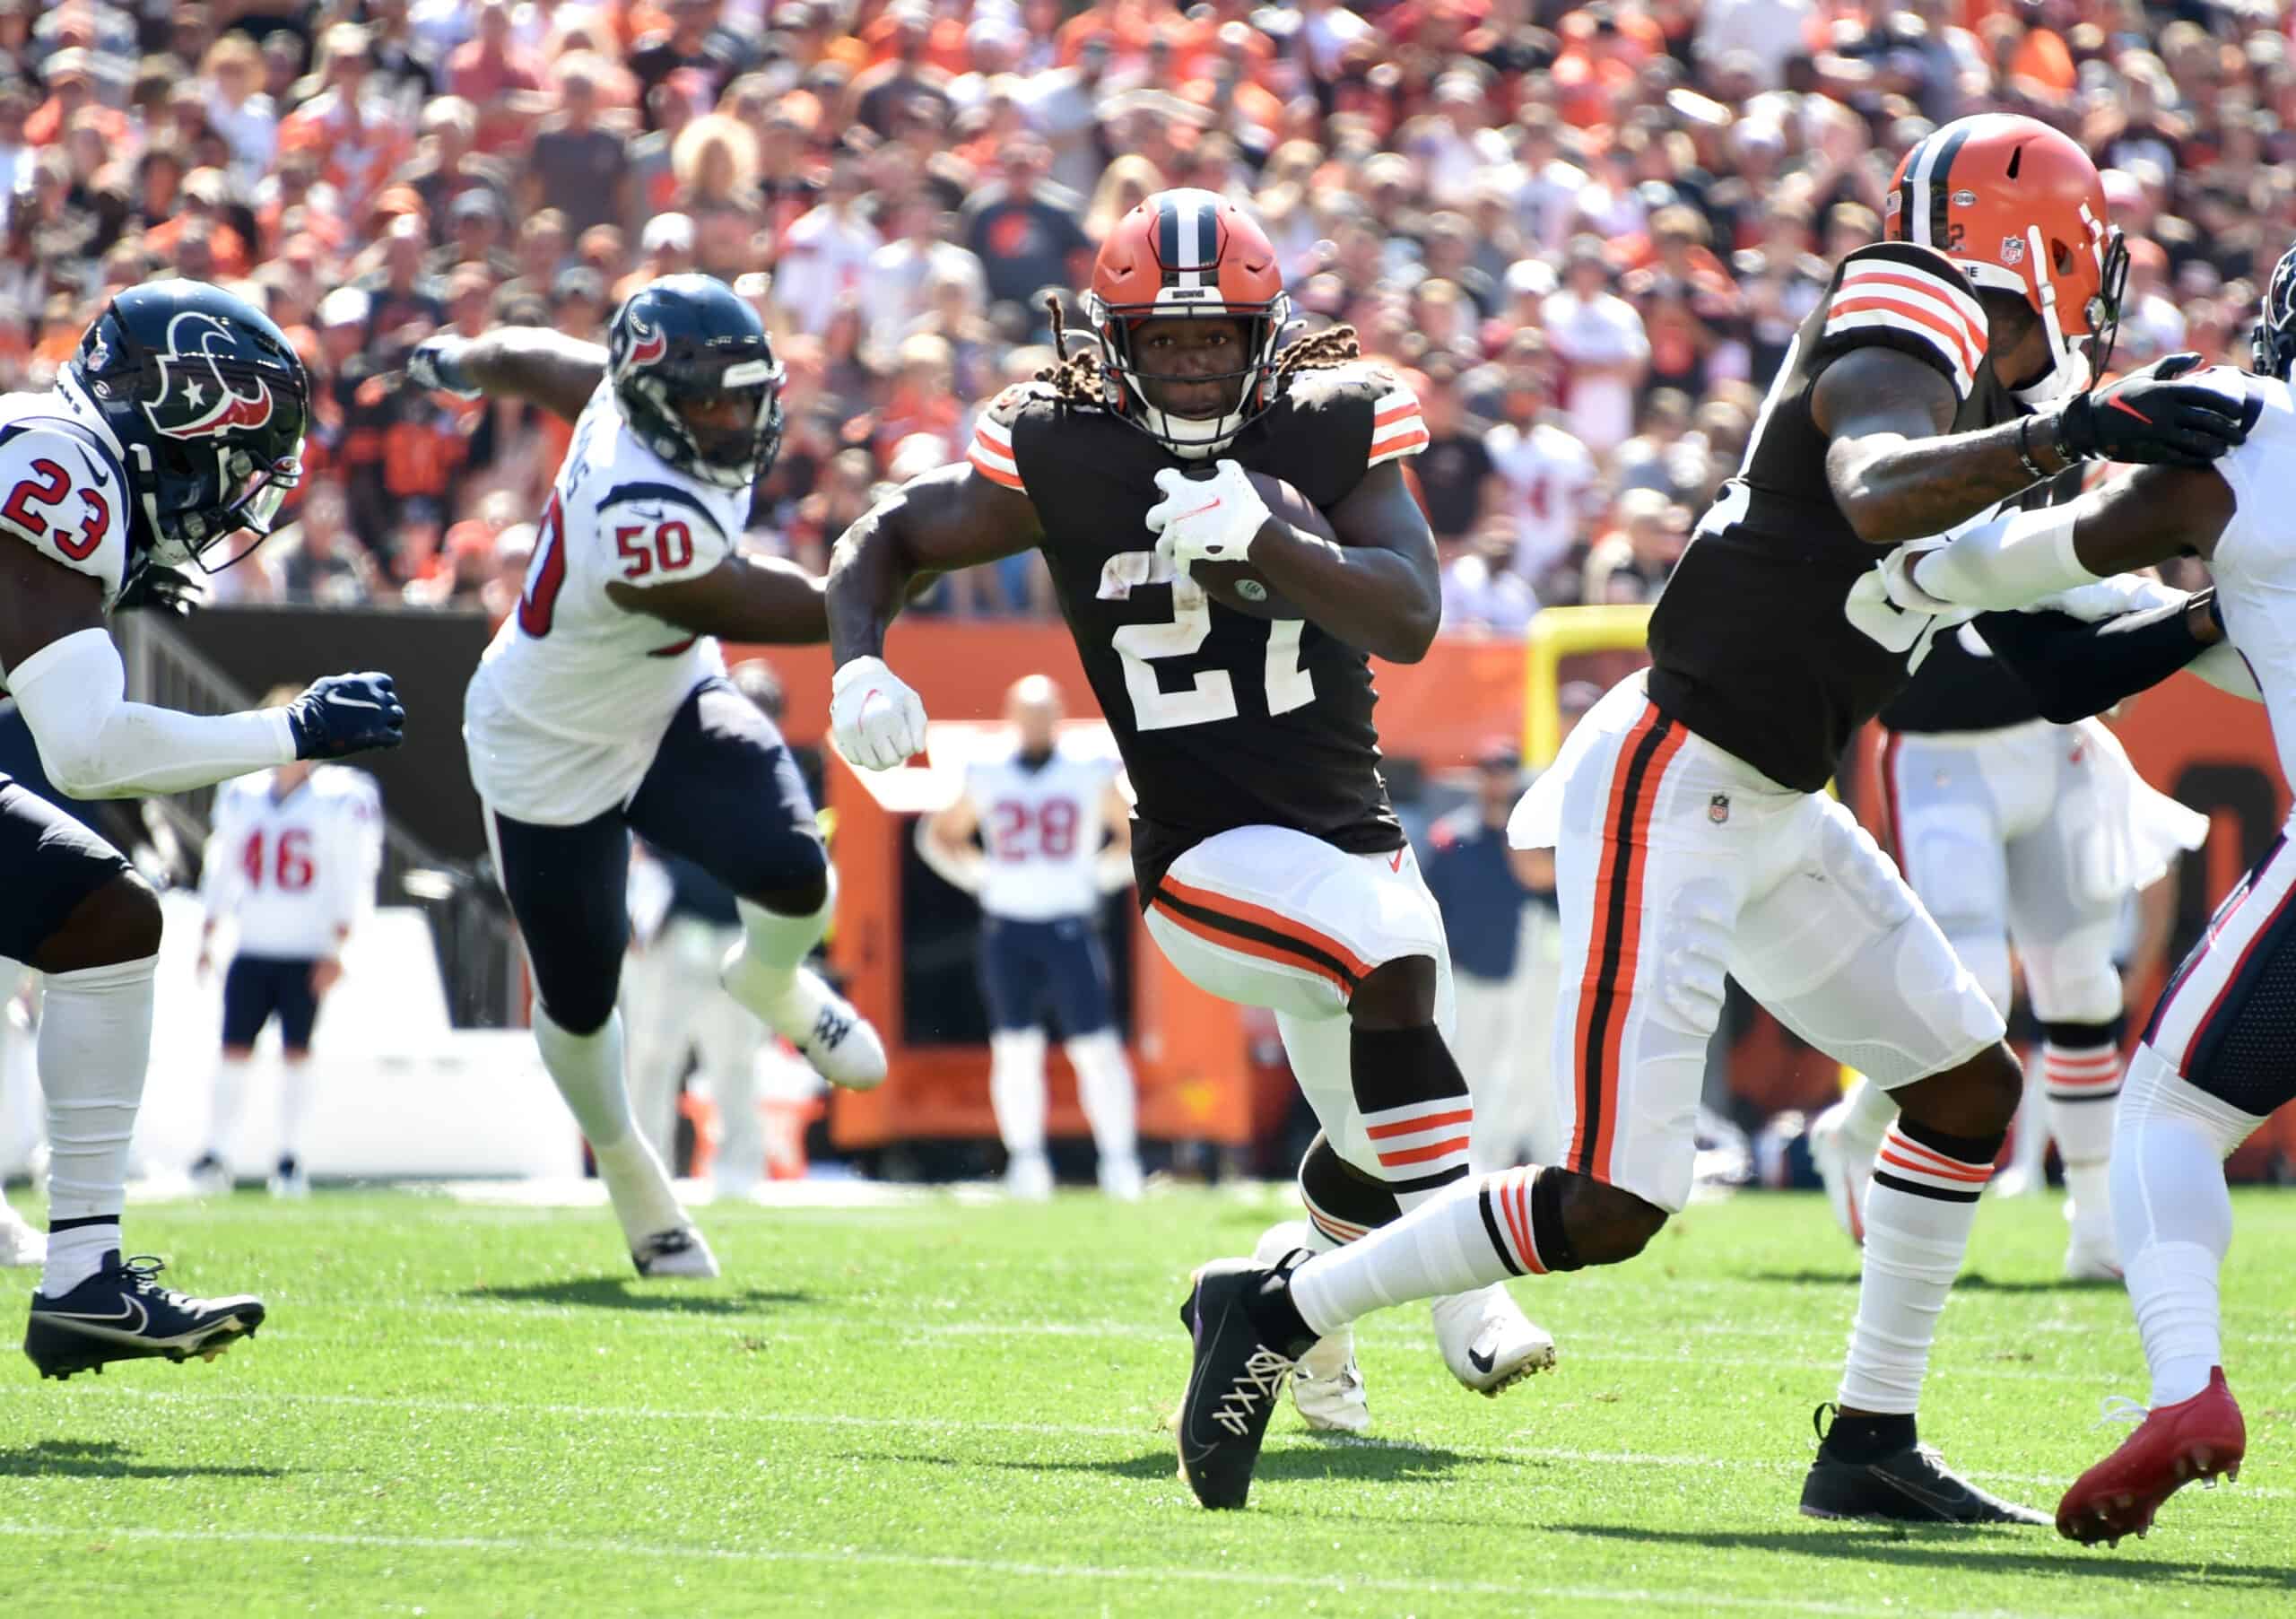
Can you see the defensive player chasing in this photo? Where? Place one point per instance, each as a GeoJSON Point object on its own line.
{"type": "Point", "coordinates": [2215, 1056]}
{"type": "Point", "coordinates": [177, 428]}
{"type": "Point", "coordinates": [1038, 872]}
{"type": "Point", "coordinates": [1272, 870]}
{"type": "Point", "coordinates": [2009, 826]}
{"type": "Point", "coordinates": [1944, 371]}
{"type": "Point", "coordinates": [602, 707]}
{"type": "Point", "coordinates": [291, 858]}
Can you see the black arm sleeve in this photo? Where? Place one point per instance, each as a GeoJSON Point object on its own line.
{"type": "Point", "coordinates": [2076, 669]}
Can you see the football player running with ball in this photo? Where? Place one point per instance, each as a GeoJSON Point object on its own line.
{"type": "Point", "coordinates": [169, 440]}
{"type": "Point", "coordinates": [603, 707]}
{"type": "Point", "coordinates": [1945, 371]}
{"type": "Point", "coordinates": [1272, 870]}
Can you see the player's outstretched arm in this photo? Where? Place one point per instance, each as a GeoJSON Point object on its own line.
{"type": "Point", "coordinates": [746, 597]}
{"type": "Point", "coordinates": [67, 679]}
{"type": "Point", "coordinates": [542, 367]}
{"type": "Point", "coordinates": [2074, 669]}
{"type": "Point", "coordinates": [1898, 472]}
{"type": "Point", "coordinates": [947, 519]}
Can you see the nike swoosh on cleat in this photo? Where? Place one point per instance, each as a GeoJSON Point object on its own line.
{"type": "Point", "coordinates": [2123, 405]}
{"type": "Point", "coordinates": [132, 1316]}
{"type": "Point", "coordinates": [1482, 1361]}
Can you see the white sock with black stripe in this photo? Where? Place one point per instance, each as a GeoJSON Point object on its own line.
{"type": "Point", "coordinates": [1918, 1213]}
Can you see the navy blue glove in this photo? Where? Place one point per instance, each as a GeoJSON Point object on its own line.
{"type": "Point", "coordinates": [437, 365]}
{"type": "Point", "coordinates": [346, 714]}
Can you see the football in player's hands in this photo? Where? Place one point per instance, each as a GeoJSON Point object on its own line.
{"type": "Point", "coordinates": [1242, 587]}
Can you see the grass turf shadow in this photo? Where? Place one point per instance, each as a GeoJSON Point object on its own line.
{"type": "Point", "coordinates": [1987, 1550]}
{"type": "Point", "coordinates": [108, 1458]}
{"type": "Point", "coordinates": [1976, 1281]}
{"type": "Point", "coordinates": [617, 1293]}
{"type": "Point", "coordinates": [1374, 1464]}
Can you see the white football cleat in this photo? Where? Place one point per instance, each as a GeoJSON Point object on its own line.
{"type": "Point", "coordinates": [1120, 1179]}
{"type": "Point", "coordinates": [288, 1181]}
{"type": "Point", "coordinates": [1488, 1342]}
{"type": "Point", "coordinates": [1845, 1172]}
{"type": "Point", "coordinates": [1326, 1385]}
{"type": "Point", "coordinates": [210, 1177]}
{"type": "Point", "coordinates": [828, 1032]}
{"type": "Point", "coordinates": [2091, 1255]}
{"type": "Point", "coordinates": [21, 1242]}
{"type": "Point", "coordinates": [1028, 1178]}
{"type": "Point", "coordinates": [680, 1251]}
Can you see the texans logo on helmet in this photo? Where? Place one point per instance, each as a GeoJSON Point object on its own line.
{"type": "Point", "coordinates": [195, 401]}
{"type": "Point", "coordinates": [646, 346]}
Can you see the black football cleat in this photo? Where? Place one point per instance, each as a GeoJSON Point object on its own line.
{"type": "Point", "coordinates": [121, 1313]}
{"type": "Point", "coordinates": [1237, 1378]}
{"type": "Point", "coordinates": [1907, 1485]}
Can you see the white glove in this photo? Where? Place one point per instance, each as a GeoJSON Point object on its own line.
{"type": "Point", "coordinates": [876, 721]}
{"type": "Point", "coordinates": [1209, 519]}
{"type": "Point", "coordinates": [2110, 597]}
{"type": "Point", "coordinates": [1898, 579]}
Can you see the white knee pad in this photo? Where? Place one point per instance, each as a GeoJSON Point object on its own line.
{"type": "Point", "coordinates": [1985, 952]}
{"type": "Point", "coordinates": [2073, 980]}
{"type": "Point", "coordinates": [2154, 1091]}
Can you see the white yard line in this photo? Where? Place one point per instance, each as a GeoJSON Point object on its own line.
{"type": "Point", "coordinates": [845, 1558]}
{"type": "Point", "coordinates": [963, 1425]}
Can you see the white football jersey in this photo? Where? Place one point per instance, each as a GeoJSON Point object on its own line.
{"type": "Point", "coordinates": [2255, 563]}
{"type": "Point", "coordinates": [297, 871]}
{"type": "Point", "coordinates": [571, 700]}
{"type": "Point", "coordinates": [1548, 472]}
{"type": "Point", "coordinates": [1040, 831]}
{"type": "Point", "coordinates": [63, 490]}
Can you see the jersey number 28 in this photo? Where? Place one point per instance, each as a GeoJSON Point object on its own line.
{"type": "Point", "coordinates": [1211, 694]}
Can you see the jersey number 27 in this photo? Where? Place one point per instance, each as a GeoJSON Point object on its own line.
{"type": "Point", "coordinates": [1211, 694]}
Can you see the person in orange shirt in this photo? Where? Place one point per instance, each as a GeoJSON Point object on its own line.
{"type": "Point", "coordinates": [199, 202]}
{"type": "Point", "coordinates": [358, 142]}
{"type": "Point", "coordinates": [71, 89]}
{"type": "Point", "coordinates": [1597, 65]}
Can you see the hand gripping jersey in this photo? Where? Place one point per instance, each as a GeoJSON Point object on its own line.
{"type": "Point", "coordinates": [1223, 719]}
{"type": "Point", "coordinates": [573, 698]}
{"type": "Point", "coordinates": [1041, 829]}
{"type": "Point", "coordinates": [1750, 645]}
{"type": "Point", "coordinates": [295, 869]}
{"type": "Point", "coordinates": [62, 490]}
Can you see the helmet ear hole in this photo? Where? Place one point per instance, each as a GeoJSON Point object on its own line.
{"type": "Point", "coordinates": [2060, 257]}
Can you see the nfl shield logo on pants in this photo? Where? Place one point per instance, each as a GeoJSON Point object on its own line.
{"type": "Point", "coordinates": [1717, 808]}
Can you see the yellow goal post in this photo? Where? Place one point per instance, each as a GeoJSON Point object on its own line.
{"type": "Point", "coordinates": [1555, 634]}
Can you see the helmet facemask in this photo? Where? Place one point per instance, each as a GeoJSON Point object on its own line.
{"type": "Point", "coordinates": [247, 495]}
{"type": "Point", "coordinates": [729, 456]}
{"type": "Point", "coordinates": [2272, 345]}
{"type": "Point", "coordinates": [1192, 438]}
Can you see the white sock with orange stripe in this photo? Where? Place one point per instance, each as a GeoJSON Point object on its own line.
{"type": "Point", "coordinates": [1918, 1213]}
{"type": "Point", "coordinates": [1468, 1236]}
{"type": "Point", "coordinates": [2081, 1069]}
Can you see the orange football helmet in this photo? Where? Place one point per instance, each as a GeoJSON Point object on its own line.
{"type": "Point", "coordinates": [2021, 209]}
{"type": "Point", "coordinates": [1192, 254]}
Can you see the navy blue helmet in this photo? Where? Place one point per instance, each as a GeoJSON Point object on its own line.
{"type": "Point", "coordinates": [209, 403]}
{"type": "Point", "coordinates": [2272, 347]}
{"type": "Point", "coordinates": [696, 378]}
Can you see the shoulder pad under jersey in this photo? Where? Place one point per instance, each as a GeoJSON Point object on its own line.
{"type": "Point", "coordinates": [1904, 296]}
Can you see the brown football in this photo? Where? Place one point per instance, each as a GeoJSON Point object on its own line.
{"type": "Point", "coordinates": [1240, 585]}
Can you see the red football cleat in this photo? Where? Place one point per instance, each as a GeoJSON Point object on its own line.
{"type": "Point", "coordinates": [2199, 1438]}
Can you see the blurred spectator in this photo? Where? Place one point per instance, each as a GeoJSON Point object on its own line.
{"type": "Point", "coordinates": [1599, 337]}
{"type": "Point", "coordinates": [236, 107]}
{"type": "Point", "coordinates": [896, 289]}
{"type": "Point", "coordinates": [348, 126]}
{"type": "Point", "coordinates": [1457, 483]}
{"type": "Point", "coordinates": [499, 77]}
{"type": "Point", "coordinates": [574, 164]}
{"type": "Point", "coordinates": [320, 559]}
{"type": "Point", "coordinates": [1024, 232]}
{"type": "Point", "coordinates": [1632, 562]}
{"type": "Point", "coordinates": [828, 250]}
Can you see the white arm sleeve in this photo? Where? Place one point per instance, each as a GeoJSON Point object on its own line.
{"type": "Point", "coordinates": [94, 744]}
{"type": "Point", "coordinates": [2004, 564]}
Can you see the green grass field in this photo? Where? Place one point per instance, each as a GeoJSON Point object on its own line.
{"type": "Point", "coordinates": [951, 1407]}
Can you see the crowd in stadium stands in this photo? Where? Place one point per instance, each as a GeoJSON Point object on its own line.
{"type": "Point", "coordinates": [1585, 231]}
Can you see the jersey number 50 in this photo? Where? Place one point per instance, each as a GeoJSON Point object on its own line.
{"type": "Point", "coordinates": [1211, 694]}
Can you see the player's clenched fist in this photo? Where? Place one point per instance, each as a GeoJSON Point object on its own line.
{"type": "Point", "coordinates": [876, 721]}
{"type": "Point", "coordinates": [1206, 519]}
{"type": "Point", "coordinates": [341, 714]}
{"type": "Point", "coordinates": [2151, 416]}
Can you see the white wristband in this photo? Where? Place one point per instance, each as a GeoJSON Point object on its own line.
{"type": "Point", "coordinates": [2004, 564]}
